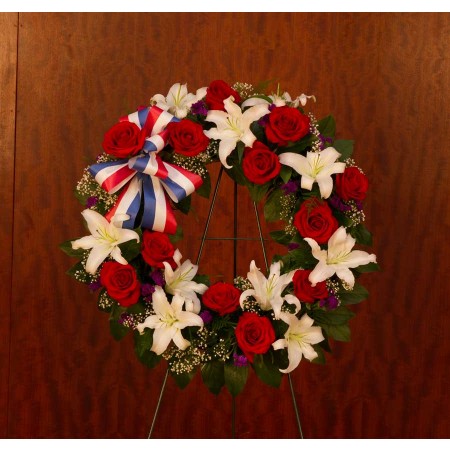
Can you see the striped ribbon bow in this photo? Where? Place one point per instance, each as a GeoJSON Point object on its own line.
{"type": "Point", "coordinates": [147, 176]}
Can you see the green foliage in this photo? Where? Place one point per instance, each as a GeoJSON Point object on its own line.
{"type": "Point", "coordinates": [357, 295]}
{"type": "Point", "coordinates": [266, 370]}
{"type": "Point", "coordinates": [177, 236]}
{"type": "Point", "coordinates": [327, 126]}
{"type": "Point", "coordinates": [272, 207]}
{"type": "Point", "coordinates": [338, 332]}
{"type": "Point", "coordinates": [258, 131]}
{"type": "Point", "coordinates": [74, 269]}
{"type": "Point", "coordinates": [117, 330]}
{"type": "Point", "coordinates": [235, 378]}
{"type": "Point", "coordinates": [371, 267]}
{"type": "Point", "coordinates": [321, 355]}
{"type": "Point", "coordinates": [240, 151]}
{"type": "Point", "coordinates": [285, 173]}
{"type": "Point", "coordinates": [301, 145]}
{"type": "Point", "coordinates": [213, 376]}
{"type": "Point", "coordinates": [66, 247]}
{"type": "Point", "coordinates": [301, 257]}
{"type": "Point", "coordinates": [344, 147]}
{"type": "Point", "coordinates": [131, 249]}
{"type": "Point", "coordinates": [281, 237]}
{"type": "Point", "coordinates": [203, 279]}
{"type": "Point", "coordinates": [183, 379]}
{"type": "Point", "coordinates": [142, 345]}
{"type": "Point", "coordinates": [184, 205]}
{"type": "Point", "coordinates": [361, 234]}
{"type": "Point", "coordinates": [258, 191]}
{"type": "Point", "coordinates": [205, 189]}
{"type": "Point", "coordinates": [236, 173]}
{"type": "Point", "coordinates": [338, 316]}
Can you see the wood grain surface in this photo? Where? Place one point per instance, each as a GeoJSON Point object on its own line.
{"type": "Point", "coordinates": [385, 77]}
{"type": "Point", "coordinates": [8, 70]}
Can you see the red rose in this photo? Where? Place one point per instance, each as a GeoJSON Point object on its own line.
{"type": "Point", "coordinates": [286, 125]}
{"type": "Point", "coordinates": [352, 184]}
{"type": "Point", "coordinates": [157, 248]}
{"type": "Point", "coordinates": [315, 220]}
{"type": "Point", "coordinates": [124, 139]}
{"type": "Point", "coordinates": [254, 334]}
{"type": "Point", "coordinates": [217, 92]}
{"type": "Point", "coordinates": [260, 164]}
{"type": "Point", "coordinates": [222, 297]}
{"type": "Point", "coordinates": [303, 289]}
{"type": "Point", "coordinates": [121, 282]}
{"type": "Point", "coordinates": [187, 137]}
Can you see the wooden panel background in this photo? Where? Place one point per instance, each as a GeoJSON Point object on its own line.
{"type": "Point", "coordinates": [385, 77]}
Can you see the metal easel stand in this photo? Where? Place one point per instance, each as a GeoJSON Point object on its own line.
{"type": "Point", "coordinates": [235, 239]}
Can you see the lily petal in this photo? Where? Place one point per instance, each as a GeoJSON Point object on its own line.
{"type": "Point", "coordinates": [85, 242]}
{"type": "Point", "coordinates": [295, 356]}
{"type": "Point", "coordinates": [161, 339]}
{"type": "Point", "coordinates": [180, 342]}
{"type": "Point", "coordinates": [346, 275]}
{"type": "Point", "coordinates": [97, 255]}
{"type": "Point", "coordinates": [320, 273]}
{"type": "Point", "coordinates": [116, 253]}
{"type": "Point", "coordinates": [226, 146]}
{"type": "Point", "coordinates": [94, 221]}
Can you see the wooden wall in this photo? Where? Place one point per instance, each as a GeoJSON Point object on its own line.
{"type": "Point", "coordinates": [385, 77]}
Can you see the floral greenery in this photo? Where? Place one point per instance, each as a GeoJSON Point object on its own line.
{"type": "Point", "coordinates": [259, 322]}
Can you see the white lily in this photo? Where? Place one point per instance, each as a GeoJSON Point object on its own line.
{"type": "Point", "coordinates": [298, 339]}
{"type": "Point", "coordinates": [317, 167]}
{"type": "Point", "coordinates": [338, 259]}
{"type": "Point", "coordinates": [279, 100]}
{"type": "Point", "coordinates": [104, 240]}
{"type": "Point", "coordinates": [268, 291]}
{"type": "Point", "coordinates": [178, 100]}
{"type": "Point", "coordinates": [233, 126]}
{"type": "Point", "coordinates": [179, 282]}
{"type": "Point", "coordinates": [168, 321]}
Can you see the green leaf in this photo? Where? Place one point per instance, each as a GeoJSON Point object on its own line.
{"type": "Point", "coordinates": [177, 236]}
{"type": "Point", "coordinates": [286, 173]}
{"type": "Point", "coordinates": [205, 189]}
{"type": "Point", "coordinates": [183, 379]}
{"type": "Point", "coordinates": [297, 147]}
{"type": "Point", "coordinates": [338, 316]}
{"type": "Point", "coordinates": [321, 355]}
{"type": "Point", "coordinates": [371, 267]}
{"type": "Point", "coordinates": [361, 234]}
{"type": "Point", "coordinates": [235, 378]}
{"type": "Point", "coordinates": [203, 279]}
{"type": "Point", "coordinates": [184, 205]}
{"type": "Point", "coordinates": [213, 376]}
{"type": "Point", "coordinates": [272, 207]}
{"type": "Point", "coordinates": [142, 345]}
{"type": "Point", "coordinates": [236, 173]}
{"type": "Point", "coordinates": [338, 332]}
{"type": "Point", "coordinates": [327, 126]}
{"type": "Point", "coordinates": [131, 249]}
{"type": "Point", "coordinates": [344, 147]}
{"type": "Point", "coordinates": [66, 247]}
{"type": "Point", "coordinates": [258, 131]}
{"type": "Point", "coordinates": [281, 237]}
{"type": "Point", "coordinates": [118, 331]}
{"type": "Point", "coordinates": [357, 295]}
{"type": "Point", "coordinates": [266, 370]}
{"type": "Point", "coordinates": [240, 151]}
{"type": "Point", "coordinates": [78, 266]}
{"type": "Point", "coordinates": [258, 191]}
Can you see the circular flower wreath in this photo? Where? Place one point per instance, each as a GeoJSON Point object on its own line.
{"type": "Point", "coordinates": [153, 160]}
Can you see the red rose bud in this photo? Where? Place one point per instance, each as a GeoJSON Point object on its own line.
{"type": "Point", "coordinates": [123, 140]}
{"type": "Point", "coordinates": [352, 184]}
{"type": "Point", "coordinates": [217, 92]}
{"type": "Point", "coordinates": [254, 334]}
{"type": "Point", "coordinates": [187, 137]}
{"type": "Point", "coordinates": [315, 220]}
{"type": "Point", "coordinates": [260, 164]}
{"type": "Point", "coordinates": [120, 282]}
{"type": "Point", "coordinates": [286, 125]}
{"type": "Point", "coordinates": [222, 298]}
{"type": "Point", "coordinates": [157, 249]}
{"type": "Point", "coordinates": [303, 289]}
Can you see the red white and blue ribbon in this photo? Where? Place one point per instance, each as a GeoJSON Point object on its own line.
{"type": "Point", "coordinates": [153, 121]}
{"type": "Point", "coordinates": [147, 177]}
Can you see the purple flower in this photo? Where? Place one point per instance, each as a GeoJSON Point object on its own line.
{"type": "Point", "coordinates": [359, 205]}
{"type": "Point", "coordinates": [290, 187]}
{"type": "Point", "coordinates": [95, 285]}
{"type": "Point", "coordinates": [264, 120]}
{"type": "Point", "coordinates": [338, 204]}
{"type": "Point", "coordinates": [147, 290]}
{"type": "Point", "coordinates": [157, 278]}
{"type": "Point", "coordinates": [206, 316]}
{"type": "Point", "coordinates": [124, 318]}
{"type": "Point", "coordinates": [272, 107]}
{"type": "Point", "coordinates": [199, 108]}
{"type": "Point", "coordinates": [240, 360]}
{"type": "Point", "coordinates": [91, 201]}
{"type": "Point", "coordinates": [293, 246]}
{"type": "Point", "coordinates": [330, 302]}
{"type": "Point", "coordinates": [324, 140]}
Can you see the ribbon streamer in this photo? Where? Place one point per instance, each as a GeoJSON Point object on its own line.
{"type": "Point", "coordinates": [147, 177]}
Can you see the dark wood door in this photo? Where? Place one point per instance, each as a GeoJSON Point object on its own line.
{"type": "Point", "coordinates": [385, 77]}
